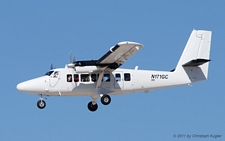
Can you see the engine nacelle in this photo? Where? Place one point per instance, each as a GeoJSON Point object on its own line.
{"type": "Point", "coordinates": [86, 69]}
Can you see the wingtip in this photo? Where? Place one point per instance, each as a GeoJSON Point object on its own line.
{"type": "Point", "coordinates": [130, 43]}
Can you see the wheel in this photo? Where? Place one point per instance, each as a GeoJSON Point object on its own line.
{"type": "Point", "coordinates": [92, 107]}
{"type": "Point", "coordinates": [105, 99]}
{"type": "Point", "coordinates": [41, 104]}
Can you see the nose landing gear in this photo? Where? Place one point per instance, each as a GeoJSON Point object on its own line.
{"type": "Point", "coordinates": [41, 103]}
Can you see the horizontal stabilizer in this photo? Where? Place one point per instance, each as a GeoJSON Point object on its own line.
{"type": "Point", "coordinates": [194, 63]}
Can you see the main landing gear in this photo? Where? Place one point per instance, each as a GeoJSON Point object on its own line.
{"type": "Point", "coordinates": [41, 103]}
{"type": "Point", "coordinates": [105, 99]}
{"type": "Point", "coordinates": [93, 106]}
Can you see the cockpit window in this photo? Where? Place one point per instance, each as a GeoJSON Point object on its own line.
{"type": "Point", "coordinates": [49, 73]}
{"type": "Point", "coordinates": [56, 74]}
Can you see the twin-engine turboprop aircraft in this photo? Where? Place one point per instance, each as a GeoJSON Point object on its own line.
{"type": "Point", "coordinates": [103, 78]}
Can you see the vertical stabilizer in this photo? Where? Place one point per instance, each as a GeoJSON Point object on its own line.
{"type": "Point", "coordinates": [195, 57]}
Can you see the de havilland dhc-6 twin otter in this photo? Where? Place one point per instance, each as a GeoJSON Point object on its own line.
{"type": "Point", "coordinates": [103, 78]}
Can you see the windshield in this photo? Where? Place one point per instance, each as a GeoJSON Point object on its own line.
{"type": "Point", "coordinates": [49, 73]}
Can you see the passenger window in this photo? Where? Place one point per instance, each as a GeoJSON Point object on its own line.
{"type": "Point", "coordinates": [93, 77]}
{"type": "Point", "coordinates": [76, 78]}
{"type": "Point", "coordinates": [126, 76]}
{"type": "Point", "coordinates": [118, 77]}
{"type": "Point", "coordinates": [85, 77]}
{"type": "Point", "coordinates": [69, 77]}
{"type": "Point", "coordinates": [106, 78]}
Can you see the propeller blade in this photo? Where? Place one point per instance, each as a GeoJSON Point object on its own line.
{"type": "Point", "coordinates": [51, 66]}
{"type": "Point", "coordinates": [71, 57]}
{"type": "Point", "coordinates": [74, 58]}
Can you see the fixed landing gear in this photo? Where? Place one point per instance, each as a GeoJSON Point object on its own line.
{"type": "Point", "coordinates": [105, 99]}
{"type": "Point", "coordinates": [41, 104]}
{"type": "Point", "coordinates": [93, 106]}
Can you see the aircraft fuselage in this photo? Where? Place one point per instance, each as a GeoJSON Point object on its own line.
{"type": "Point", "coordinates": [66, 82]}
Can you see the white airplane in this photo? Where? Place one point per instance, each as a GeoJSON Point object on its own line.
{"type": "Point", "coordinates": [103, 78]}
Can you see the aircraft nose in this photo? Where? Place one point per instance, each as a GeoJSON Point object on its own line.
{"type": "Point", "coordinates": [34, 86]}
{"type": "Point", "coordinates": [21, 86]}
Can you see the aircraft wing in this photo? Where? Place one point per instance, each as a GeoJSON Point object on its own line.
{"type": "Point", "coordinates": [118, 54]}
{"type": "Point", "coordinates": [113, 59]}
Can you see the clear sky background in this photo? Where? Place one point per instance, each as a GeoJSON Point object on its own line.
{"type": "Point", "coordinates": [34, 34]}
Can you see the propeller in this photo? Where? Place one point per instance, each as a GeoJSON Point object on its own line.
{"type": "Point", "coordinates": [72, 58]}
{"type": "Point", "coordinates": [51, 66]}
{"type": "Point", "coordinates": [72, 61]}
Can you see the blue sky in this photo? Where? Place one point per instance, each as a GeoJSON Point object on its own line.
{"type": "Point", "coordinates": [34, 34]}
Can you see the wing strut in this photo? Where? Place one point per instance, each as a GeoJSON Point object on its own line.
{"type": "Point", "coordinates": [99, 82]}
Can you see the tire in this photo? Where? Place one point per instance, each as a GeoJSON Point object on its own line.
{"type": "Point", "coordinates": [105, 99]}
{"type": "Point", "coordinates": [92, 107]}
{"type": "Point", "coordinates": [41, 104]}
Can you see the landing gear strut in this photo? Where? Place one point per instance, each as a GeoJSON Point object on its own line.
{"type": "Point", "coordinates": [92, 107]}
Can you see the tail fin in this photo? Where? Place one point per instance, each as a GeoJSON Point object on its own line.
{"type": "Point", "coordinates": [195, 57]}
